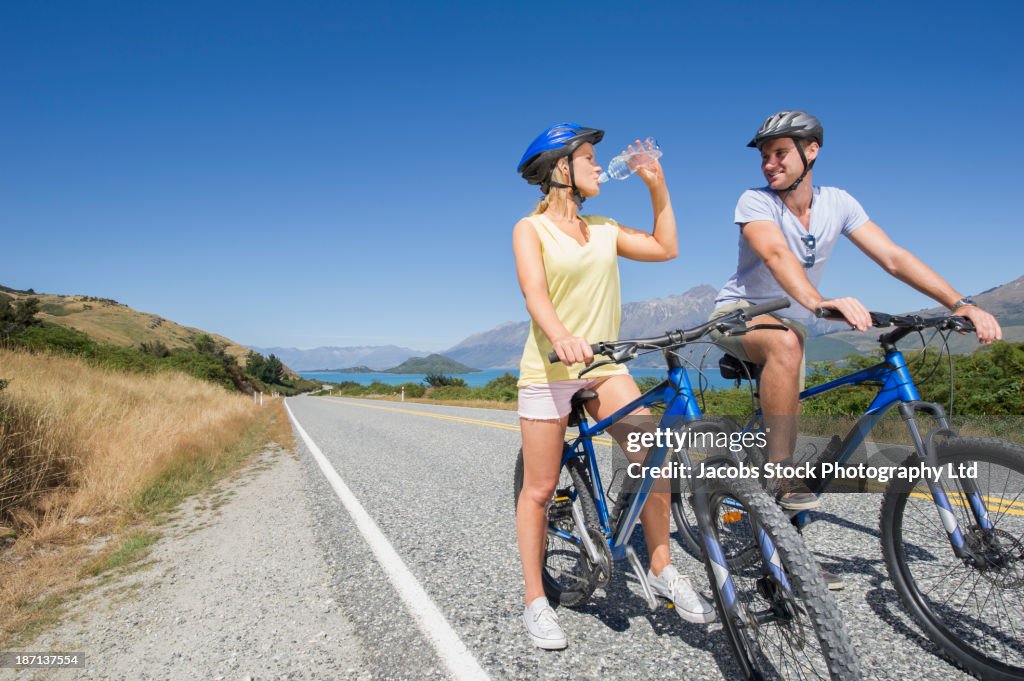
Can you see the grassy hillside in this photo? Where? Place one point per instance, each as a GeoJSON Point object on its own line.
{"type": "Point", "coordinates": [116, 337]}
{"type": "Point", "coordinates": [108, 321]}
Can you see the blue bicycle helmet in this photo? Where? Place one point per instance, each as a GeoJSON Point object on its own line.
{"type": "Point", "coordinates": [561, 139]}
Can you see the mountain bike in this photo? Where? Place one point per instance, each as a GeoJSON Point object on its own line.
{"type": "Point", "coordinates": [778, 617]}
{"type": "Point", "coordinates": [953, 544]}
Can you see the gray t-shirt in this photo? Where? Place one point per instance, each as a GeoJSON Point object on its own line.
{"type": "Point", "coordinates": [833, 212]}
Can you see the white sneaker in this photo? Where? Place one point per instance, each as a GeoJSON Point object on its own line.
{"type": "Point", "coordinates": [542, 625]}
{"type": "Point", "coordinates": [690, 605]}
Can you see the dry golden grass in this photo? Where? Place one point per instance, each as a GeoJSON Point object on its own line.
{"type": "Point", "coordinates": [109, 451]}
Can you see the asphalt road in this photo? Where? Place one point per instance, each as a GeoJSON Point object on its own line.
{"type": "Point", "coordinates": [437, 482]}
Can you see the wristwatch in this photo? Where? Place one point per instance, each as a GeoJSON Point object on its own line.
{"type": "Point", "coordinates": [966, 300]}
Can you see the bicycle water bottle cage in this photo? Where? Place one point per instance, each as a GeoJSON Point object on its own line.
{"type": "Point", "coordinates": [733, 368]}
{"type": "Point", "coordinates": [576, 406]}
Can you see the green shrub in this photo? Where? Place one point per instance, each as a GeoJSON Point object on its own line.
{"type": "Point", "coordinates": [440, 380]}
{"type": "Point", "coordinates": [412, 389]}
{"type": "Point", "coordinates": [58, 338]}
{"type": "Point", "coordinates": [645, 383]}
{"type": "Point", "coordinates": [202, 366]}
{"type": "Point", "coordinates": [155, 348]}
{"type": "Point", "coordinates": [501, 389]}
{"type": "Point", "coordinates": [451, 392]}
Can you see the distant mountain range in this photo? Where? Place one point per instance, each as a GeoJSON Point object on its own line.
{"type": "Point", "coordinates": [501, 346]}
{"type": "Point", "coordinates": [431, 364]}
{"type": "Point", "coordinates": [1006, 302]}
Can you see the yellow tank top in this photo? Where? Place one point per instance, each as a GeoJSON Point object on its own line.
{"type": "Point", "coordinates": [583, 284]}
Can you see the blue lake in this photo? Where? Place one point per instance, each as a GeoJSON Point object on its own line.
{"type": "Point", "coordinates": [480, 378]}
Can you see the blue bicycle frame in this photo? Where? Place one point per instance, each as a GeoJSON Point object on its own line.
{"type": "Point", "coordinates": [899, 390]}
{"type": "Point", "coordinates": [676, 393]}
{"type": "Point", "coordinates": [681, 408]}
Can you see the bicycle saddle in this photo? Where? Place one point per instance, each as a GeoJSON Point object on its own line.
{"type": "Point", "coordinates": [734, 368]}
{"type": "Point", "coordinates": [579, 398]}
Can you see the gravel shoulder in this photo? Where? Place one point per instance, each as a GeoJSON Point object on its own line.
{"type": "Point", "coordinates": [235, 588]}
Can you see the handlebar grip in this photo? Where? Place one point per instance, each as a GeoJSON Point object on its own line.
{"type": "Point", "coordinates": [765, 308]}
{"type": "Point", "coordinates": [960, 324]}
{"type": "Point", "coordinates": [594, 347]}
{"type": "Point", "coordinates": [829, 313]}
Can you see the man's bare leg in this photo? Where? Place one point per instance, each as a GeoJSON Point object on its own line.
{"type": "Point", "coordinates": [781, 354]}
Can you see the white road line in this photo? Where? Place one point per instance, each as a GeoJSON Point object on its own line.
{"type": "Point", "coordinates": [460, 662]}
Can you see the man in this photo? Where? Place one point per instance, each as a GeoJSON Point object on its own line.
{"type": "Point", "coordinates": [787, 232]}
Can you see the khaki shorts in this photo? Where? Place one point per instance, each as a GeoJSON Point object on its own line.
{"type": "Point", "coordinates": [734, 344]}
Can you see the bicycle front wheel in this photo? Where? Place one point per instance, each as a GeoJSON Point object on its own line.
{"type": "Point", "coordinates": [710, 438]}
{"type": "Point", "coordinates": [972, 609]}
{"type": "Point", "coordinates": [779, 617]}
{"type": "Point", "coordinates": [569, 575]}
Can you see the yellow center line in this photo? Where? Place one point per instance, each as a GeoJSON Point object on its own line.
{"type": "Point", "coordinates": [445, 417]}
{"type": "Point", "coordinates": [1000, 505]}
{"type": "Point", "coordinates": [992, 504]}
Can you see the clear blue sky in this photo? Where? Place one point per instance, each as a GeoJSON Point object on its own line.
{"type": "Point", "coordinates": [324, 173]}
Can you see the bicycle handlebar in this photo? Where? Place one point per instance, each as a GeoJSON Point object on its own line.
{"type": "Point", "coordinates": [765, 308]}
{"type": "Point", "coordinates": [908, 321]}
{"type": "Point", "coordinates": [623, 349]}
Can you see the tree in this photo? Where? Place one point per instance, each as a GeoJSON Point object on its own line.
{"type": "Point", "coordinates": [15, 317]}
{"type": "Point", "coordinates": [155, 348]}
{"type": "Point", "coordinates": [205, 344]}
{"type": "Point", "coordinates": [254, 363]}
{"type": "Point", "coordinates": [273, 371]}
{"type": "Point", "coordinates": [441, 381]}
{"type": "Point", "coordinates": [267, 369]}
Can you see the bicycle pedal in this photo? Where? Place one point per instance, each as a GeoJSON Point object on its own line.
{"type": "Point", "coordinates": [560, 506]}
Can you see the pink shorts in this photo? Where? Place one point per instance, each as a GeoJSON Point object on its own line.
{"type": "Point", "coordinates": [551, 401]}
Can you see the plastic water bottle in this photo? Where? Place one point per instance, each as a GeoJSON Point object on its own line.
{"type": "Point", "coordinates": [626, 163]}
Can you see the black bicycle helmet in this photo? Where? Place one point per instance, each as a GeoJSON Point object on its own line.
{"type": "Point", "coordinates": [561, 139]}
{"type": "Point", "coordinates": [795, 124]}
{"type": "Point", "coordinates": [798, 125]}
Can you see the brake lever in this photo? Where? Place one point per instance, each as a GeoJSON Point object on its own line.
{"type": "Point", "coordinates": [594, 366]}
{"type": "Point", "coordinates": [625, 353]}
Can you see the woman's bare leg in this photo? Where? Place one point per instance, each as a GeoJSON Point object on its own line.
{"type": "Point", "coordinates": [542, 462]}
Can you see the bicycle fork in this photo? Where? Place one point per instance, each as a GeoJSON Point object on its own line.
{"type": "Point", "coordinates": [925, 447]}
{"type": "Point", "coordinates": [773, 579]}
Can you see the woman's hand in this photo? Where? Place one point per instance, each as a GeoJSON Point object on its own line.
{"type": "Point", "coordinates": [650, 169]}
{"type": "Point", "coordinates": [573, 349]}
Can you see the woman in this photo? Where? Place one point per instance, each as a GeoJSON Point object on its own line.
{"type": "Point", "coordinates": [568, 271]}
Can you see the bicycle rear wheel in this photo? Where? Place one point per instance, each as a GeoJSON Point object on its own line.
{"type": "Point", "coordinates": [779, 616]}
{"type": "Point", "coordinates": [972, 610]}
{"type": "Point", "coordinates": [569, 576]}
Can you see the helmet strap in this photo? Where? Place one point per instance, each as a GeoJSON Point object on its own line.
{"type": "Point", "coordinates": [807, 166]}
{"type": "Point", "coordinates": [576, 196]}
